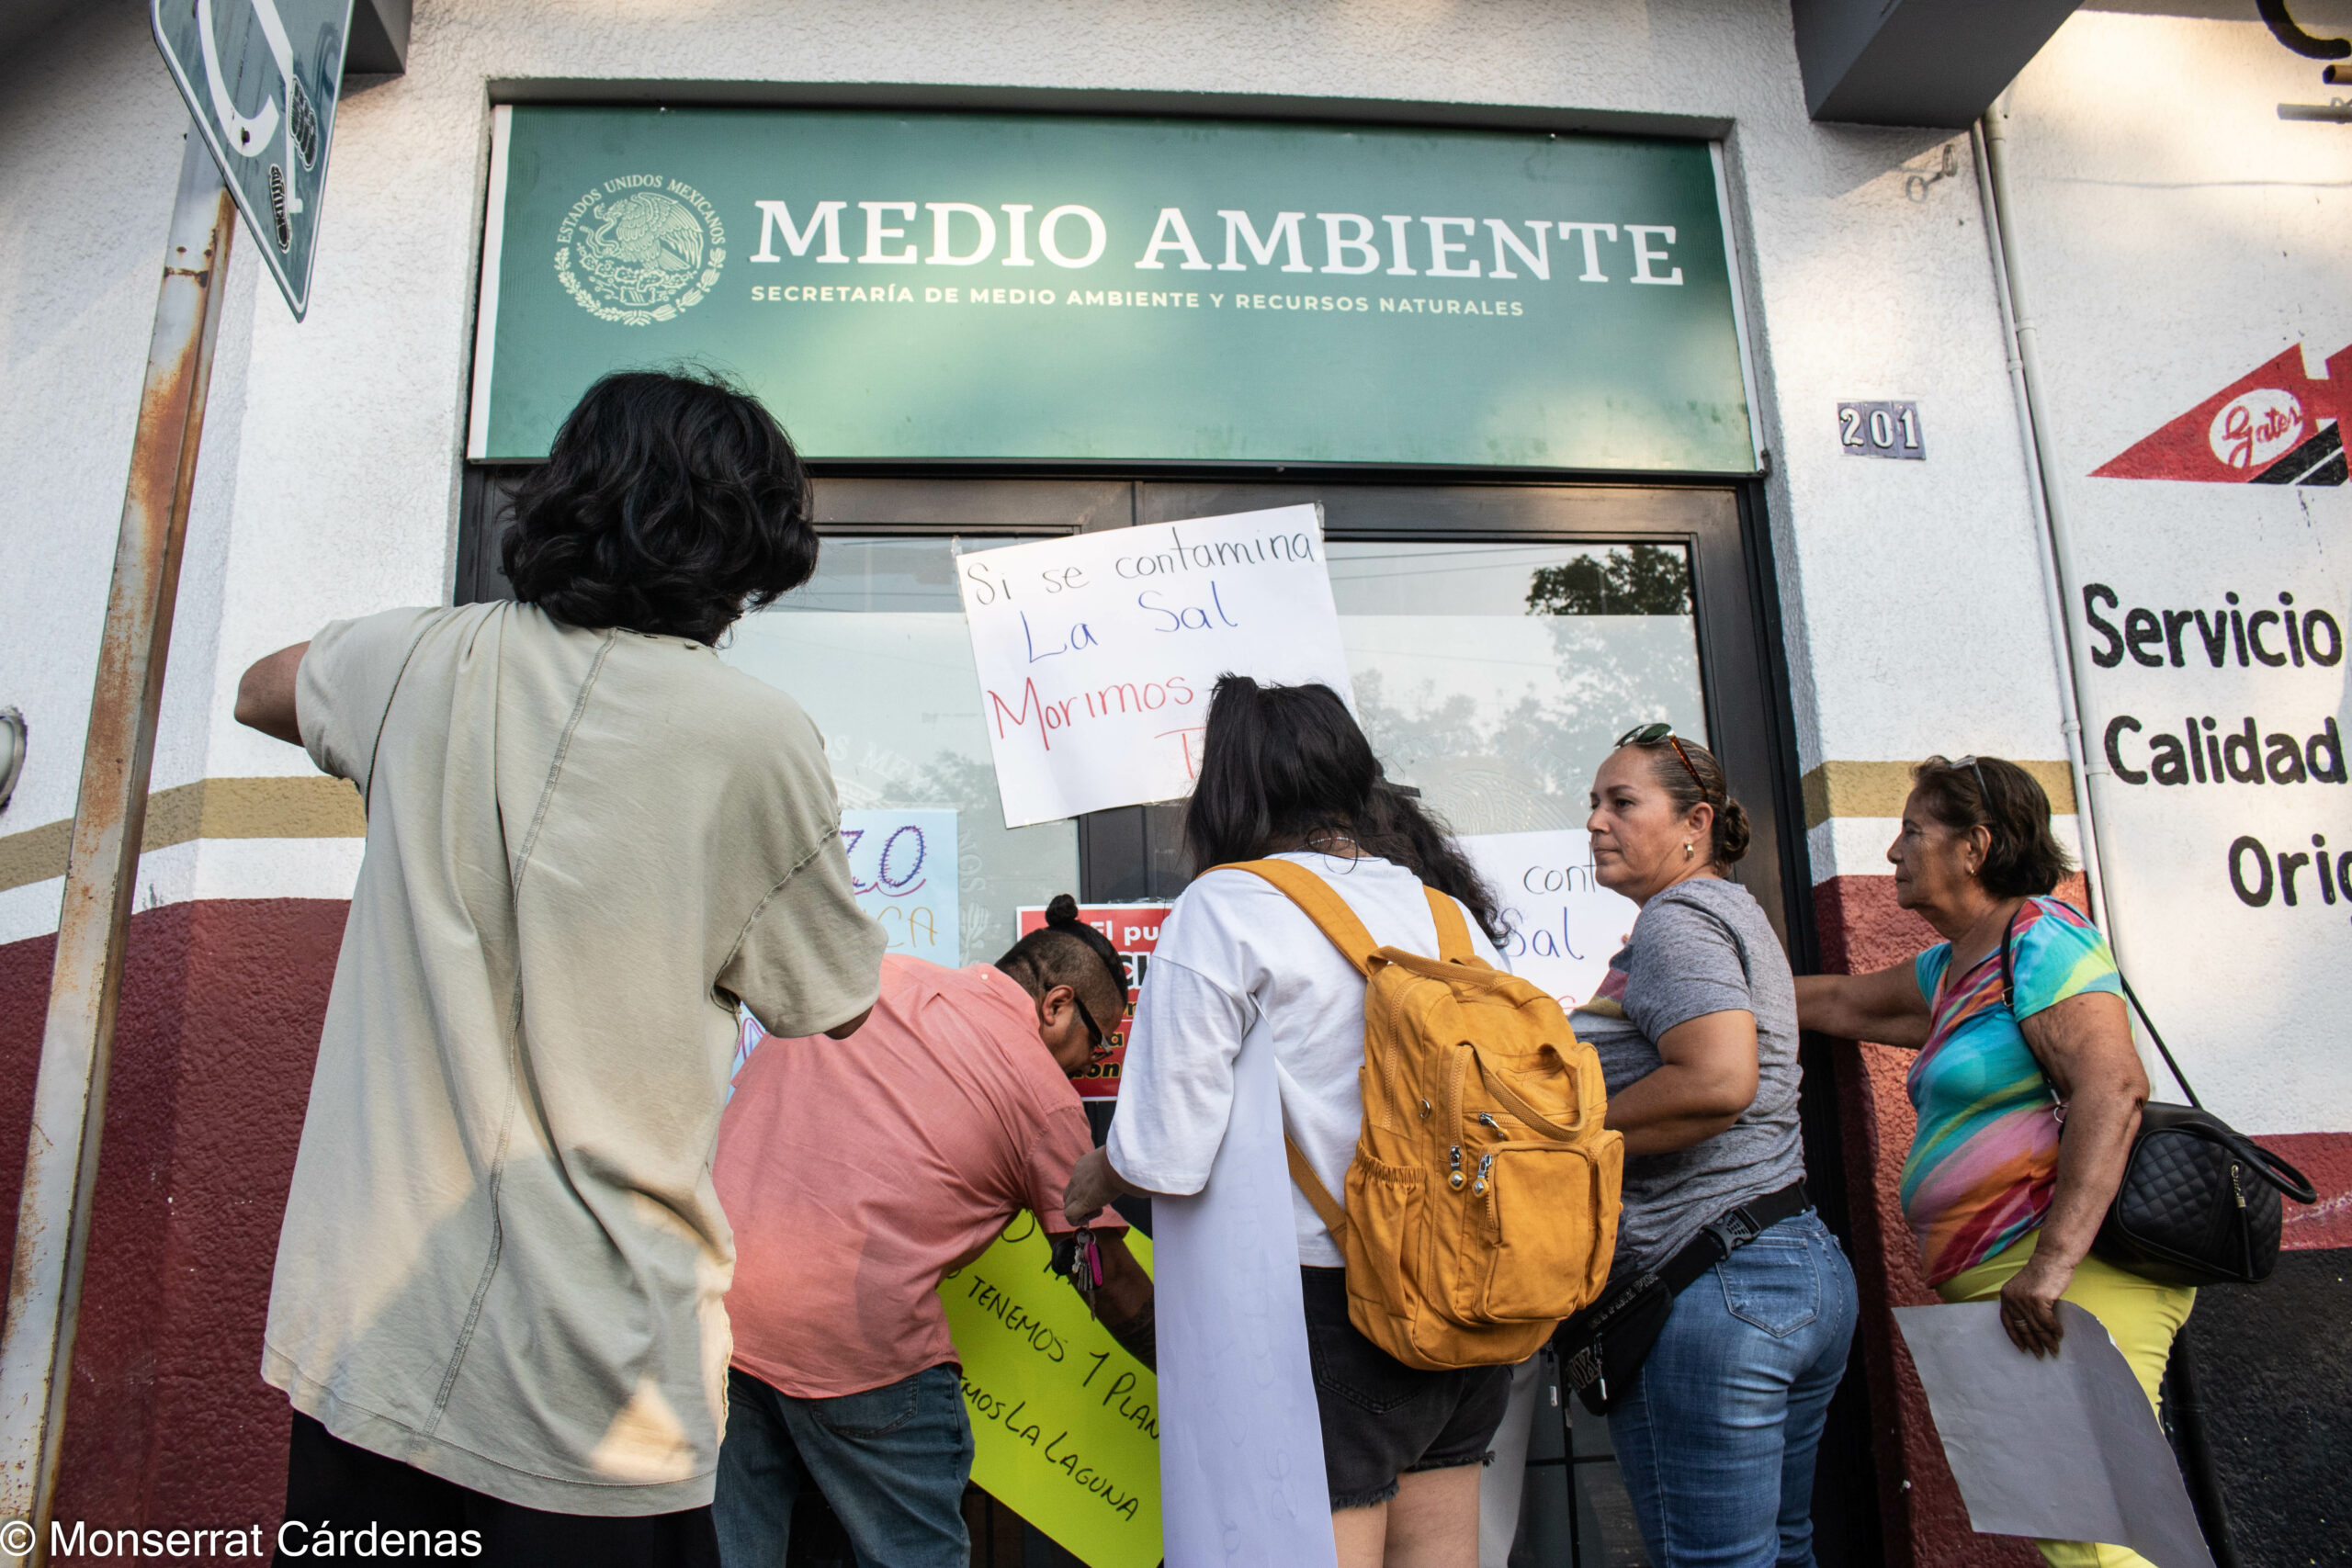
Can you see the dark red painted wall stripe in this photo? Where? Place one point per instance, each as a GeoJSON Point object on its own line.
{"type": "Point", "coordinates": [168, 1422]}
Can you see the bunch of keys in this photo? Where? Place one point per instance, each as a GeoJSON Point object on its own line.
{"type": "Point", "coordinates": [1077, 1257]}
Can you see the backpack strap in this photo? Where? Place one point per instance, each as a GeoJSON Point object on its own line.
{"type": "Point", "coordinates": [1332, 917]}
{"type": "Point", "coordinates": [1453, 930]}
{"type": "Point", "coordinates": [1319, 1197]}
{"type": "Point", "coordinates": [1320, 904]}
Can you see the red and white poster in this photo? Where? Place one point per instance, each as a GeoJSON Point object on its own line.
{"type": "Point", "coordinates": [1134, 930]}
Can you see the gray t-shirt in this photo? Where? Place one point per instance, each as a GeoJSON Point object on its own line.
{"type": "Point", "coordinates": [1701, 946]}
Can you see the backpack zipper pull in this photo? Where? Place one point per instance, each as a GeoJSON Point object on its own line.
{"type": "Point", "coordinates": [1486, 1119]}
{"type": "Point", "coordinates": [1486, 1163]}
{"type": "Point", "coordinates": [1454, 1158]}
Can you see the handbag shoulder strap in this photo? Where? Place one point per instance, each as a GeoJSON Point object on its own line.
{"type": "Point", "coordinates": [2009, 994]}
{"type": "Point", "coordinates": [2265, 1164]}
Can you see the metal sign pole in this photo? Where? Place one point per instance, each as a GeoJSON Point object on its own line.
{"type": "Point", "coordinates": [102, 870]}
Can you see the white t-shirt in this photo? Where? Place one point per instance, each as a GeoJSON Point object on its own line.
{"type": "Point", "coordinates": [1236, 956]}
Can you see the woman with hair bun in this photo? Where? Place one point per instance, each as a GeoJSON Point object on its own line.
{"type": "Point", "coordinates": [1696, 1028]}
{"type": "Point", "coordinates": [2019, 1019]}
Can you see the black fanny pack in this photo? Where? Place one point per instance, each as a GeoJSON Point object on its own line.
{"type": "Point", "coordinates": [1601, 1349]}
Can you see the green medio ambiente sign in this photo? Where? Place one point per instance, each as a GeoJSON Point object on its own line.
{"type": "Point", "coordinates": [1051, 288]}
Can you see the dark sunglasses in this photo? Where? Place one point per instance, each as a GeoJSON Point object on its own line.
{"type": "Point", "coordinates": [1984, 789]}
{"type": "Point", "coordinates": [1100, 1045]}
{"type": "Point", "coordinates": [1650, 735]}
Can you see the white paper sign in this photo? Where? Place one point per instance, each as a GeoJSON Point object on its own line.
{"type": "Point", "coordinates": [1563, 924]}
{"type": "Point", "coordinates": [902, 868]}
{"type": "Point", "coordinates": [1096, 653]}
{"type": "Point", "coordinates": [2065, 1448]}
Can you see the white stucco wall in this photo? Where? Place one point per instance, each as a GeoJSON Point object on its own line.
{"type": "Point", "coordinates": [1912, 609]}
{"type": "Point", "coordinates": [90, 137]}
{"type": "Point", "coordinates": [2174, 241]}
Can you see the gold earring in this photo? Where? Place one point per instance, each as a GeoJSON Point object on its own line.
{"type": "Point", "coordinates": [1688, 851]}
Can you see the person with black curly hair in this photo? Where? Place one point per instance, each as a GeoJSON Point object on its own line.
{"type": "Point", "coordinates": [498, 1305]}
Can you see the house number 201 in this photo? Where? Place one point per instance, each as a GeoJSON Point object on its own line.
{"type": "Point", "coordinates": [1881, 430]}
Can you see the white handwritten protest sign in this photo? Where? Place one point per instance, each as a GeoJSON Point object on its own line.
{"type": "Point", "coordinates": [1563, 924]}
{"type": "Point", "coordinates": [903, 870]}
{"type": "Point", "coordinates": [1097, 652]}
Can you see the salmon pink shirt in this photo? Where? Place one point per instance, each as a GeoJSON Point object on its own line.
{"type": "Point", "coordinates": [857, 1173]}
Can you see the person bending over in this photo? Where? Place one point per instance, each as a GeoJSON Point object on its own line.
{"type": "Point", "coordinates": [857, 1178]}
{"type": "Point", "coordinates": [498, 1305]}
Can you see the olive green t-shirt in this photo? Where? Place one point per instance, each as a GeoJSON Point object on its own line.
{"type": "Point", "coordinates": [503, 1262]}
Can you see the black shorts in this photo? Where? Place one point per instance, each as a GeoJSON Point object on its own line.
{"type": "Point", "coordinates": [1382, 1418]}
{"type": "Point", "coordinates": [343, 1501]}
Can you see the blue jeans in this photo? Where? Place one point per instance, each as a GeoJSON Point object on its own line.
{"type": "Point", "coordinates": [892, 1462]}
{"type": "Point", "coordinates": [1716, 1441]}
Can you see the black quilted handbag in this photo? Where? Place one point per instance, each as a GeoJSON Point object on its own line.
{"type": "Point", "coordinates": [2200, 1200]}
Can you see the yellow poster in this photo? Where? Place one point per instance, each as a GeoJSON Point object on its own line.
{"type": "Point", "coordinates": [1064, 1424]}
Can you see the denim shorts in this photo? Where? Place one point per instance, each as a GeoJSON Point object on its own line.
{"type": "Point", "coordinates": [1382, 1418]}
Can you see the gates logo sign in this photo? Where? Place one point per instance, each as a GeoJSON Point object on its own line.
{"type": "Point", "coordinates": [2254, 429]}
{"type": "Point", "coordinates": [2276, 425]}
{"type": "Point", "coordinates": [638, 249]}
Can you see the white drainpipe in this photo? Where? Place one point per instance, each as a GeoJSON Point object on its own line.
{"type": "Point", "coordinates": [2059, 578]}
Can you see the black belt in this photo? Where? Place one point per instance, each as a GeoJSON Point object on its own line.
{"type": "Point", "coordinates": [1730, 1231]}
{"type": "Point", "coordinates": [1610, 1338]}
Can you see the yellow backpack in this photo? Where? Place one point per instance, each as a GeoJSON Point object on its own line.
{"type": "Point", "coordinates": [1482, 1201]}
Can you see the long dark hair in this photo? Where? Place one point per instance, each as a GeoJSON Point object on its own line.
{"type": "Point", "coordinates": [1280, 764]}
{"type": "Point", "coordinates": [669, 505]}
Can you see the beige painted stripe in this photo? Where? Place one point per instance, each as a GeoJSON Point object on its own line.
{"type": "Point", "coordinates": [1879, 789]}
{"type": "Point", "coordinates": [311, 806]}
{"type": "Point", "coordinates": [314, 807]}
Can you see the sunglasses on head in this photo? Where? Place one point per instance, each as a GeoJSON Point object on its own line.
{"type": "Point", "coordinates": [1650, 735]}
{"type": "Point", "coordinates": [1970, 763]}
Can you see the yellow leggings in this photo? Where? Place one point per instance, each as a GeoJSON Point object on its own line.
{"type": "Point", "coordinates": [2138, 1315]}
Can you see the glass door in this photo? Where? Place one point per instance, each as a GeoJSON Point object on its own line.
{"type": "Point", "coordinates": [1497, 642]}
{"type": "Point", "coordinates": [1500, 636]}
{"type": "Point", "coordinates": [874, 649]}
{"type": "Point", "coordinates": [1492, 676]}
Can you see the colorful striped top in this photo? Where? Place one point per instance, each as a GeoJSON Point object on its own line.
{"type": "Point", "coordinates": [1985, 1160]}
